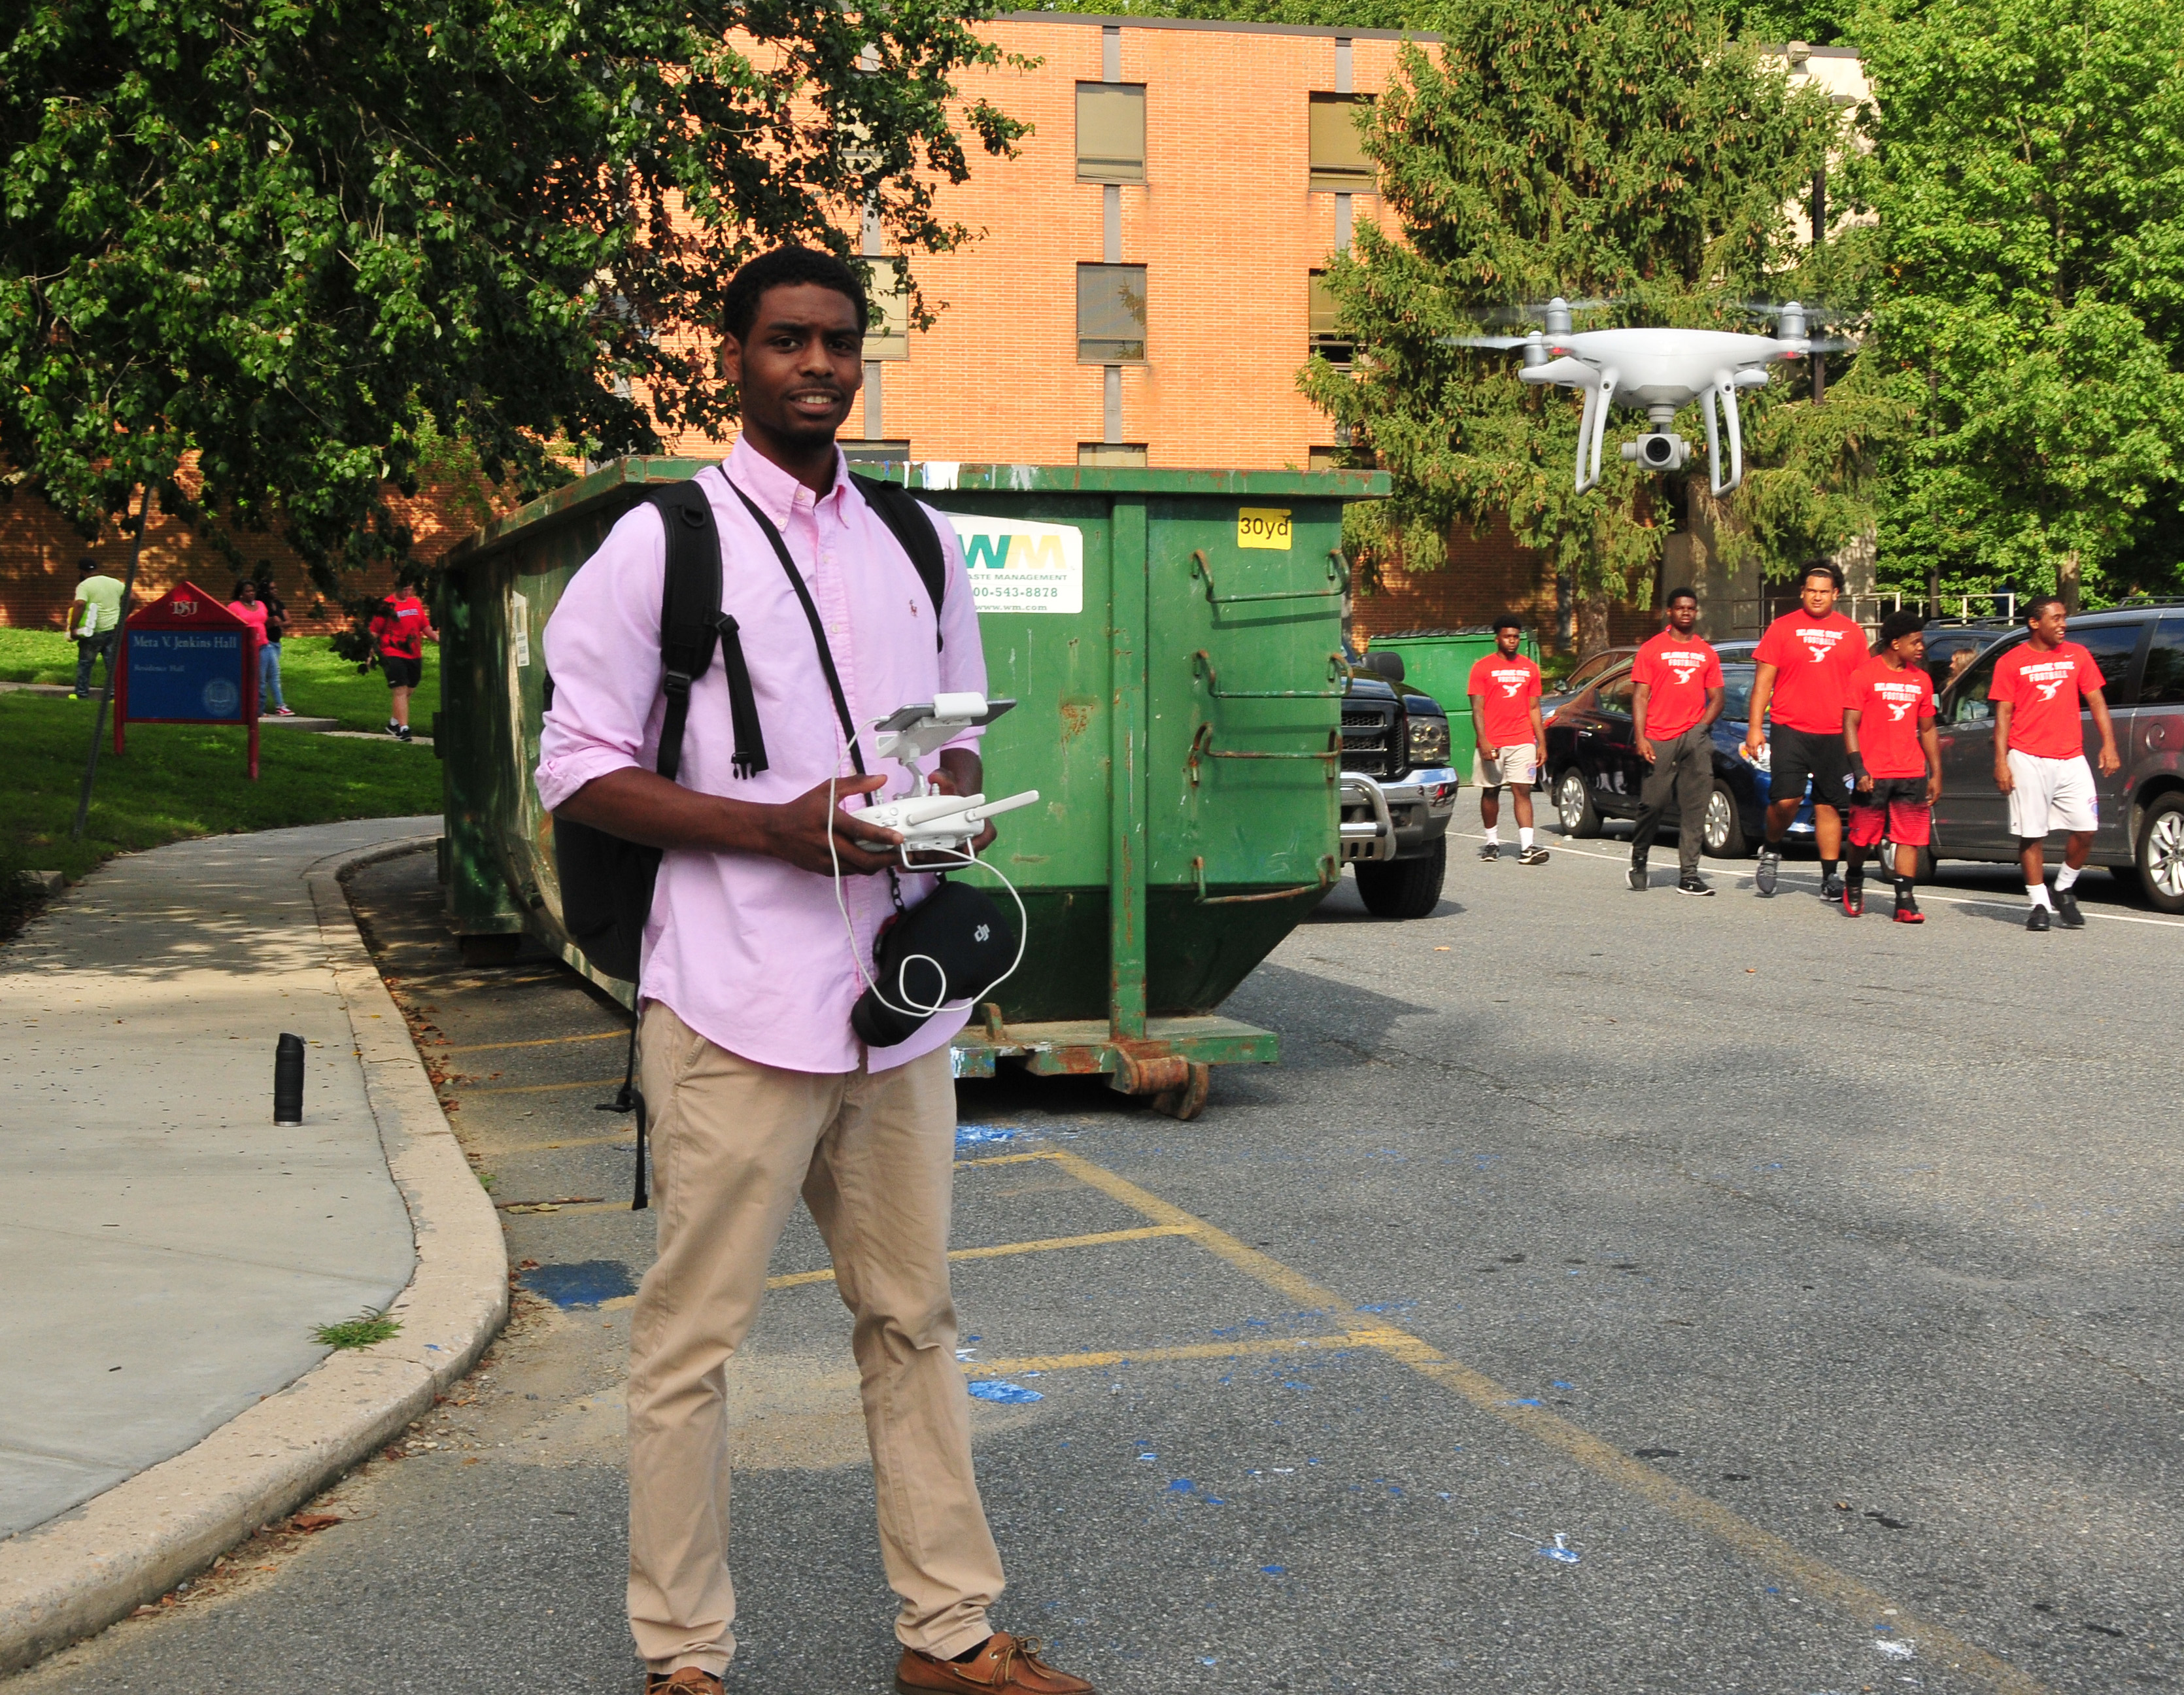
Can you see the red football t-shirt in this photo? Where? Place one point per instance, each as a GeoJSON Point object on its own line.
{"type": "Point", "coordinates": [1678, 670]}
{"type": "Point", "coordinates": [2042, 689]}
{"type": "Point", "coordinates": [1506, 688]}
{"type": "Point", "coordinates": [1890, 701]}
{"type": "Point", "coordinates": [403, 627]}
{"type": "Point", "coordinates": [1814, 660]}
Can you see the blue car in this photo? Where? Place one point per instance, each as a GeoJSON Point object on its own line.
{"type": "Point", "coordinates": [1594, 772]}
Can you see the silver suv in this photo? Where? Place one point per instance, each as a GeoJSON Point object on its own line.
{"type": "Point", "coordinates": [2140, 649]}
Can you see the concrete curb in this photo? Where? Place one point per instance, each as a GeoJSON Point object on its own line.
{"type": "Point", "coordinates": [76, 1575]}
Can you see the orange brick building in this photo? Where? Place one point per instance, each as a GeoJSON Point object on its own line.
{"type": "Point", "coordinates": [1139, 290]}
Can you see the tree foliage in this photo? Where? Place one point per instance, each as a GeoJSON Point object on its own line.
{"type": "Point", "coordinates": [2027, 170]}
{"type": "Point", "coordinates": [306, 239]}
{"type": "Point", "coordinates": [1625, 149]}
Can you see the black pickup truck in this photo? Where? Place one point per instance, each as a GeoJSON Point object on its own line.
{"type": "Point", "coordinates": [1398, 790]}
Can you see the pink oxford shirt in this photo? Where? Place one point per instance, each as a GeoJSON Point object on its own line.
{"type": "Point", "coordinates": [750, 951]}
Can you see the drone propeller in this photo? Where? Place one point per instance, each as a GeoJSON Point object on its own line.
{"type": "Point", "coordinates": [1536, 311]}
{"type": "Point", "coordinates": [1831, 344]}
{"type": "Point", "coordinates": [1483, 341]}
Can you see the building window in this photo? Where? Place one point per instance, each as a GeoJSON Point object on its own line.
{"type": "Point", "coordinates": [876, 453]}
{"type": "Point", "coordinates": [1327, 340]}
{"type": "Point", "coordinates": [1339, 458]}
{"type": "Point", "coordinates": [887, 331]}
{"type": "Point", "coordinates": [1111, 314]}
{"type": "Point", "coordinates": [1338, 150]}
{"type": "Point", "coordinates": [1111, 132]}
{"type": "Point", "coordinates": [1111, 453]}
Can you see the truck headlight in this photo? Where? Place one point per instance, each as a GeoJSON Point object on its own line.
{"type": "Point", "coordinates": [1430, 742]}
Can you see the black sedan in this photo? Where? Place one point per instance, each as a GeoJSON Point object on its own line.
{"type": "Point", "coordinates": [1594, 772]}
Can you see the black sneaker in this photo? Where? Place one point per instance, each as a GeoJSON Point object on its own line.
{"type": "Point", "coordinates": [2066, 911]}
{"type": "Point", "coordinates": [1691, 883]}
{"type": "Point", "coordinates": [1532, 855]}
{"type": "Point", "coordinates": [1638, 875]}
{"type": "Point", "coordinates": [1907, 912]}
{"type": "Point", "coordinates": [1491, 851]}
{"type": "Point", "coordinates": [402, 732]}
{"type": "Point", "coordinates": [393, 729]}
{"type": "Point", "coordinates": [1831, 888]}
{"type": "Point", "coordinates": [1853, 899]}
{"type": "Point", "coordinates": [2038, 919]}
{"type": "Point", "coordinates": [1771, 868]}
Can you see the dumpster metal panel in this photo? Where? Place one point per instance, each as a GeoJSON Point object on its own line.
{"type": "Point", "coordinates": [1179, 719]}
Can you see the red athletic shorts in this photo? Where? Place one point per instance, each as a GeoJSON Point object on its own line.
{"type": "Point", "coordinates": [1895, 808]}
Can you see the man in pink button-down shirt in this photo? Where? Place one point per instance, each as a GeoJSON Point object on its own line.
{"type": "Point", "coordinates": [757, 1085]}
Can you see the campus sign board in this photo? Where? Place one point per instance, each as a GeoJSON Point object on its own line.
{"type": "Point", "coordinates": [186, 660]}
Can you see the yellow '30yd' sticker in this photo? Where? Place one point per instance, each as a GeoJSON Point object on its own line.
{"type": "Point", "coordinates": [1263, 526]}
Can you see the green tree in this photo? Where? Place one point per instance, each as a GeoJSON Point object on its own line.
{"type": "Point", "coordinates": [2027, 170]}
{"type": "Point", "coordinates": [1620, 148]}
{"type": "Point", "coordinates": [307, 241]}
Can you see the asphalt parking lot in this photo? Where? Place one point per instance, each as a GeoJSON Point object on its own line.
{"type": "Point", "coordinates": [1607, 1292]}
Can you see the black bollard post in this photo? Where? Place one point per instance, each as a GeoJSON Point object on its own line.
{"type": "Point", "coordinates": [288, 1080]}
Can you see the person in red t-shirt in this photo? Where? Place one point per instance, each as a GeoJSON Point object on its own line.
{"type": "Point", "coordinates": [1895, 760]}
{"type": "Point", "coordinates": [1511, 740]}
{"type": "Point", "coordinates": [1803, 665]}
{"type": "Point", "coordinates": [2040, 755]}
{"type": "Point", "coordinates": [401, 631]}
{"type": "Point", "coordinates": [1680, 694]}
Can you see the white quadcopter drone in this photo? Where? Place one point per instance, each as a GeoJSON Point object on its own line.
{"type": "Point", "coordinates": [1658, 372]}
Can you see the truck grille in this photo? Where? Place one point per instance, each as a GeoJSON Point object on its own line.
{"type": "Point", "coordinates": [1368, 740]}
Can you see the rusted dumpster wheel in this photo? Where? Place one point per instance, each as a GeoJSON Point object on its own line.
{"type": "Point", "coordinates": [1189, 1101]}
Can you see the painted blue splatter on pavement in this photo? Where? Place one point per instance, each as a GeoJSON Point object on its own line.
{"type": "Point", "coordinates": [1559, 1384]}
{"type": "Point", "coordinates": [979, 1135]}
{"type": "Point", "coordinates": [1275, 1570]}
{"type": "Point", "coordinates": [1000, 1389]}
{"type": "Point", "coordinates": [585, 1283]}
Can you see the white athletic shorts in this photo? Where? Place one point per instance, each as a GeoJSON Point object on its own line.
{"type": "Point", "coordinates": [2050, 794]}
{"type": "Point", "coordinates": [1504, 767]}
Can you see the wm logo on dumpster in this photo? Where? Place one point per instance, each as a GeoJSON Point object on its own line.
{"type": "Point", "coordinates": [1019, 565]}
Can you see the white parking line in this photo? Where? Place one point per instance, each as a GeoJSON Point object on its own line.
{"type": "Point", "coordinates": [1927, 891]}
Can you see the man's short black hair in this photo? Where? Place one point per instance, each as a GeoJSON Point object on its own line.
{"type": "Point", "coordinates": [2038, 604]}
{"type": "Point", "coordinates": [785, 268]}
{"type": "Point", "coordinates": [1823, 568]}
{"type": "Point", "coordinates": [85, 566]}
{"type": "Point", "coordinates": [1899, 624]}
{"type": "Point", "coordinates": [1507, 621]}
{"type": "Point", "coordinates": [1676, 594]}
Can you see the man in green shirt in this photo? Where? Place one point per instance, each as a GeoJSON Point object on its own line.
{"type": "Point", "coordinates": [94, 620]}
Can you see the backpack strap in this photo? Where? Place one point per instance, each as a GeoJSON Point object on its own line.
{"type": "Point", "coordinates": [904, 514]}
{"type": "Point", "coordinates": [692, 624]}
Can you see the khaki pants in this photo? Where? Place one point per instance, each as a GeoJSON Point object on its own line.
{"type": "Point", "coordinates": [874, 1157]}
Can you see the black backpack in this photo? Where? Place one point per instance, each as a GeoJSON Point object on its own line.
{"type": "Point", "coordinates": [607, 882]}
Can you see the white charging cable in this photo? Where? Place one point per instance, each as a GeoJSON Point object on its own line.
{"type": "Point", "coordinates": [958, 858]}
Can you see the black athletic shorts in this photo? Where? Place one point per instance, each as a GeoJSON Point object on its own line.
{"type": "Point", "coordinates": [1793, 756]}
{"type": "Point", "coordinates": [401, 672]}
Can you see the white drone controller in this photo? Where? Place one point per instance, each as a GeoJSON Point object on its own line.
{"type": "Point", "coordinates": [941, 822]}
{"type": "Point", "coordinates": [926, 820]}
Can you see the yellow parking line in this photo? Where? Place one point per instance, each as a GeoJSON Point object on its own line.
{"type": "Point", "coordinates": [536, 1041]}
{"type": "Point", "coordinates": [536, 1088]}
{"type": "Point", "coordinates": [1763, 1547]}
{"type": "Point", "coordinates": [1149, 1356]}
{"type": "Point", "coordinates": [797, 1279]}
{"type": "Point", "coordinates": [626, 1137]}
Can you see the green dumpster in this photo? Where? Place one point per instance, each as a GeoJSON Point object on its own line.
{"type": "Point", "coordinates": [1172, 639]}
{"type": "Point", "coordinates": [1439, 662]}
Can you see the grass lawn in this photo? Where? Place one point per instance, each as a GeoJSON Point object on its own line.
{"type": "Point", "coordinates": [180, 780]}
{"type": "Point", "coordinates": [313, 680]}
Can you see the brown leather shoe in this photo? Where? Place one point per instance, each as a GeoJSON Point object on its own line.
{"type": "Point", "coordinates": [688, 1680]}
{"type": "Point", "coordinates": [1005, 1665]}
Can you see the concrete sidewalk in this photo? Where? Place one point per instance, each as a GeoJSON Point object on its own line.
{"type": "Point", "coordinates": [168, 1251]}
